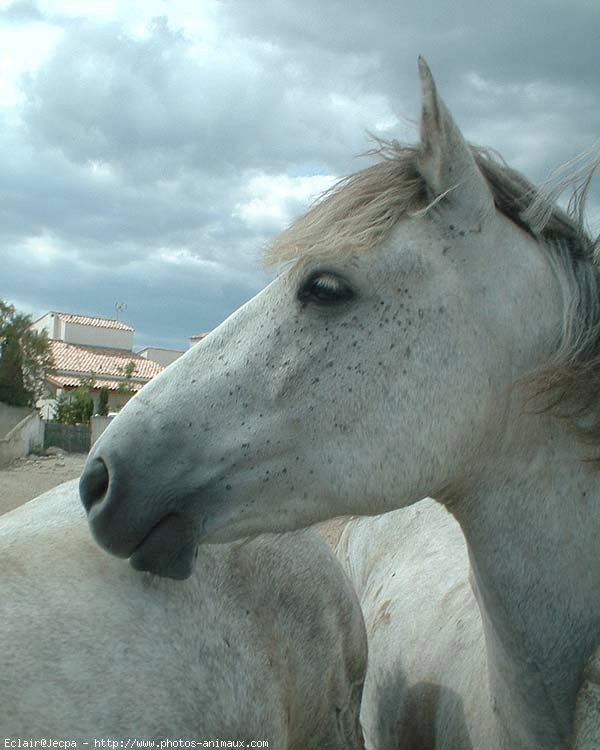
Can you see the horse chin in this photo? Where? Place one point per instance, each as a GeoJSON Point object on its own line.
{"type": "Point", "coordinates": [169, 550]}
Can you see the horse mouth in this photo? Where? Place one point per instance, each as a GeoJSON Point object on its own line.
{"type": "Point", "coordinates": [169, 549]}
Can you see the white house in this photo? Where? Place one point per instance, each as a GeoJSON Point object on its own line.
{"type": "Point", "coordinates": [84, 346]}
{"type": "Point", "coordinates": [163, 357]}
{"type": "Point", "coordinates": [85, 330]}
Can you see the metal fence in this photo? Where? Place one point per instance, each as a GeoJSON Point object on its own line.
{"type": "Point", "coordinates": [73, 438]}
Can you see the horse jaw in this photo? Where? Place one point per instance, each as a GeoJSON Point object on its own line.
{"type": "Point", "coordinates": [445, 160]}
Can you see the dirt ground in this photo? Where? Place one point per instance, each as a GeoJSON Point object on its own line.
{"type": "Point", "coordinates": [29, 477]}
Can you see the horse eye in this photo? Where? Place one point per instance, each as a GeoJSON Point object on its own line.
{"type": "Point", "coordinates": [325, 289]}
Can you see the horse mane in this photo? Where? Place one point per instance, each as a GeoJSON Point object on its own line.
{"type": "Point", "coordinates": [360, 210]}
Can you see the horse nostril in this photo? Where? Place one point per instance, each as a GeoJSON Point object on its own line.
{"type": "Point", "coordinates": [93, 483]}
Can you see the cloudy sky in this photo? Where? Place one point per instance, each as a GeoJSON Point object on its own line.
{"type": "Point", "coordinates": [149, 148]}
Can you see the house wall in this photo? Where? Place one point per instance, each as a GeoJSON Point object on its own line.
{"type": "Point", "coordinates": [116, 401]}
{"type": "Point", "coordinates": [90, 335]}
{"type": "Point", "coordinates": [26, 436]}
{"type": "Point", "coordinates": [48, 322]}
{"type": "Point", "coordinates": [76, 333]}
{"type": "Point", "coordinates": [97, 427]}
{"type": "Point", "coordinates": [162, 357]}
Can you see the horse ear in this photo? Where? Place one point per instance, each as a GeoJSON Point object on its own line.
{"type": "Point", "coordinates": [445, 160]}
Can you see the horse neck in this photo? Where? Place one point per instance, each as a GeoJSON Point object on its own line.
{"type": "Point", "coordinates": [532, 529]}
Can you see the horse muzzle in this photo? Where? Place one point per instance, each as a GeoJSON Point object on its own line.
{"type": "Point", "coordinates": [163, 542]}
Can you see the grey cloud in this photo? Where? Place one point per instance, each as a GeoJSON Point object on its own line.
{"type": "Point", "coordinates": [149, 107]}
{"type": "Point", "coordinates": [556, 40]}
{"type": "Point", "coordinates": [553, 45]}
{"type": "Point", "coordinates": [165, 303]}
{"type": "Point", "coordinates": [128, 148]}
{"type": "Point", "coordinates": [41, 191]}
{"type": "Point", "coordinates": [20, 12]}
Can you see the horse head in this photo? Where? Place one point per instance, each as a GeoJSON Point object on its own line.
{"type": "Point", "coordinates": [373, 371]}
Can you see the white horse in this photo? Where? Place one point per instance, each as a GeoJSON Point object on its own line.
{"type": "Point", "coordinates": [264, 643]}
{"type": "Point", "coordinates": [430, 338]}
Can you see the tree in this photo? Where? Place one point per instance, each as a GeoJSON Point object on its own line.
{"type": "Point", "coordinates": [103, 402]}
{"type": "Point", "coordinates": [24, 358]}
{"type": "Point", "coordinates": [63, 410]}
{"type": "Point", "coordinates": [125, 386]}
{"type": "Point", "coordinates": [78, 406]}
{"type": "Point", "coordinates": [12, 386]}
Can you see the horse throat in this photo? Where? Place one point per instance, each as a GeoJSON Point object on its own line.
{"type": "Point", "coordinates": [532, 533]}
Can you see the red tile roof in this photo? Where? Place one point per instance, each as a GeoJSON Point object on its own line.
{"type": "Point", "coordinates": [87, 320]}
{"type": "Point", "coordinates": [81, 361]}
{"type": "Point", "coordinates": [68, 381]}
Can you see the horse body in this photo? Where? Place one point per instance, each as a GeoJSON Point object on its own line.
{"type": "Point", "coordinates": [264, 642]}
{"type": "Point", "coordinates": [426, 647]}
{"type": "Point", "coordinates": [491, 662]}
{"type": "Point", "coordinates": [389, 363]}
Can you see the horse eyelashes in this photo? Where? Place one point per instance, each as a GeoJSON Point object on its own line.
{"type": "Point", "coordinates": [325, 288]}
